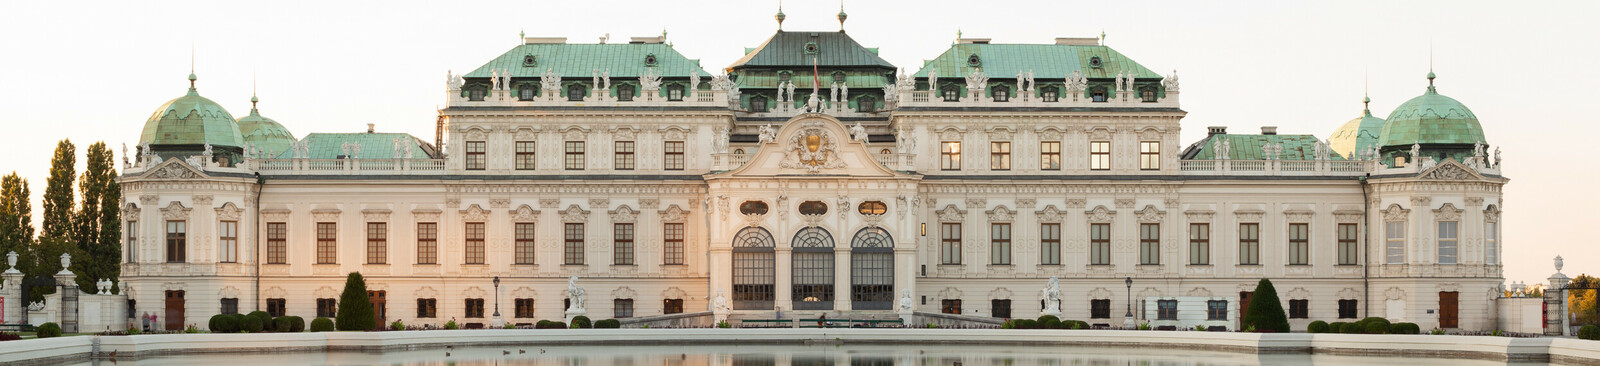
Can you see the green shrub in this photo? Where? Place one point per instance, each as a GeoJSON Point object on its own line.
{"type": "Point", "coordinates": [1266, 313]}
{"type": "Point", "coordinates": [1144, 326]}
{"type": "Point", "coordinates": [724, 324]}
{"type": "Point", "coordinates": [510, 326]}
{"type": "Point", "coordinates": [355, 308]}
{"type": "Point", "coordinates": [451, 324]}
{"type": "Point", "coordinates": [321, 324]}
{"type": "Point", "coordinates": [266, 320]}
{"type": "Point", "coordinates": [607, 324]}
{"type": "Point", "coordinates": [397, 325]}
{"type": "Point", "coordinates": [1009, 324]}
{"type": "Point", "coordinates": [223, 323]}
{"type": "Point", "coordinates": [1405, 328]}
{"type": "Point", "coordinates": [281, 324]}
{"type": "Point", "coordinates": [581, 322]}
{"type": "Point", "coordinates": [563, 325]}
{"type": "Point", "coordinates": [1047, 318]}
{"type": "Point", "coordinates": [297, 324]}
{"type": "Point", "coordinates": [1050, 323]}
{"type": "Point", "coordinates": [252, 324]}
{"type": "Point", "coordinates": [1317, 327]}
{"type": "Point", "coordinates": [191, 329]}
{"type": "Point", "coordinates": [1589, 332]}
{"type": "Point", "coordinates": [1336, 327]}
{"type": "Point", "coordinates": [1079, 324]}
{"type": "Point", "coordinates": [48, 330]}
{"type": "Point", "coordinates": [542, 324]}
{"type": "Point", "coordinates": [1028, 324]}
{"type": "Point", "coordinates": [1377, 328]}
{"type": "Point", "coordinates": [133, 330]}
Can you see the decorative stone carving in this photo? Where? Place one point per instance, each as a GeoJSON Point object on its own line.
{"type": "Point", "coordinates": [524, 213]}
{"type": "Point", "coordinates": [812, 148]}
{"type": "Point", "coordinates": [1299, 216]}
{"type": "Point", "coordinates": [1050, 214]}
{"type": "Point", "coordinates": [977, 203]}
{"type": "Point", "coordinates": [174, 169]}
{"type": "Point", "coordinates": [526, 134]}
{"type": "Point", "coordinates": [951, 214]}
{"type": "Point", "coordinates": [950, 134]}
{"type": "Point", "coordinates": [1125, 203]}
{"type": "Point", "coordinates": [574, 133]}
{"type": "Point", "coordinates": [1474, 201]}
{"type": "Point", "coordinates": [575, 214]}
{"type": "Point", "coordinates": [1025, 203]}
{"type": "Point", "coordinates": [1199, 292]}
{"type": "Point", "coordinates": [673, 214]}
{"type": "Point", "coordinates": [175, 212]}
{"type": "Point", "coordinates": [475, 213]}
{"type": "Point", "coordinates": [1347, 216]}
{"type": "Point", "coordinates": [673, 133]}
{"type": "Point", "coordinates": [1151, 215]}
{"type": "Point", "coordinates": [599, 203]}
{"type": "Point", "coordinates": [1000, 214]}
{"type": "Point", "coordinates": [1199, 216]}
{"type": "Point", "coordinates": [1450, 170]}
{"type": "Point", "coordinates": [1348, 294]}
{"type": "Point", "coordinates": [1421, 201]}
{"type": "Point", "coordinates": [149, 200]}
{"type": "Point", "coordinates": [425, 215]}
{"type": "Point", "coordinates": [1248, 215]}
{"type": "Point", "coordinates": [623, 214]}
{"type": "Point", "coordinates": [1000, 134]}
{"type": "Point", "coordinates": [1492, 214]}
{"type": "Point", "coordinates": [274, 215]}
{"type": "Point", "coordinates": [1150, 134]}
{"type": "Point", "coordinates": [1394, 293]}
{"type": "Point", "coordinates": [1448, 212]}
{"type": "Point", "coordinates": [499, 203]}
{"type": "Point", "coordinates": [476, 133]}
{"type": "Point", "coordinates": [1100, 214]}
{"type": "Point", "coordinates": [1396, 214]}
{"type": "Point", "coordinates": [1098, 133]}
{"type": "Point", "coordinates": [229, 212]}
{"type": "Point", "coordinates": [130, 212]}
{"type": "Point", "coordinates": [375, 215]}
{"type": "Point", "coordinates": [549, 203]}
{"type": "Point", "coordinates": [1048, 134]}
{"type": "Point", "coordinates": [649, 203]}
{"type": "Point", "coordinates": [1076, 203]}
{"type": "Point", "coordinates": [624, 134]}
{"type": "Point", "coordinates": [202, 200]}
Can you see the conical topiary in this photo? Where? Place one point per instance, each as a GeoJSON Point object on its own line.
{"type": "Point", "coordinates": [1266, 313]}
{"type": "Point", "coordinates": [355, 308]}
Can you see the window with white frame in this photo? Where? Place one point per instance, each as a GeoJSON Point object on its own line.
{"type": "Point", "coordinates": [1394, 247]}
{"type": "Point", "coordinates": [1448, 242]}
{"type": "Point", "coordinates": [1200, 244]}
{"type": "Point", "coordinates": [228, 241]}
{"type": "Point", "coordinates": [1100, 155]}
{"type": "Point", "coordinates": [1491, 243]}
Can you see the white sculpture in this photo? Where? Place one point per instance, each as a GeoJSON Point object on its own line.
{"type": "Point", "coordinates": [505, 73]}
{"type": "Point", "coordinates": [720, 146]}
{"type": "Point", "coordinates": [789, 100]}
{"type": "Point", "coordinates": [1077, 83]}
{"type": "Point", "coordinates": [208, 150]}
{"type": "Point", "coordinates": [933, 81]}
{"type": "Point", "coordinates": [11, 260]}
{"type": "Point", "coordinates": [844, 94]}
{"type": "Point", "coordinates": [1171, 83]}
{"type": "Point", "coordinates": [812, 104]}
{"type": "Point", "coordinates": [1497, 157]}
{"type": "Point", "coordinates": [1416, 152]}
{"type": "Point", "coordinates": [720, 303]}
{"type": "Point", "coordinates": [399, 146]}
{"type": "Point", "coordinates": [833, 93]}
{"type": "Point", "coordinates": [549, 81]}
{"type": "Point", "coordinates": [694, 80]}
{"type": "Point", "coordinates": [605, 79]}
{"type": "Point", "coordinates": [858, 133]}
{"type": "Point", "coordinates": [649, 81]}
{"type": "Point", "coordinates": [594, 79]}
{"type": "Point", "coordinates": [1558, 264]}
{"type": "Point", "coordinates": [890, 94]}
{"type": "Point", "coordinates": [767, 134]}
{"type": "Point", "coordinates": [977, 81]}
{"type": "Point", "coordinates": [124, 155]}
{"type": "Point", "coordinates": [719, 82]}
{"type": "Point", "coordinates": [1119, 81]}
{"type": "Point", "coordinates": [575, 294]}
{"type": "Point", "coordinates": [494, 79]}
{"type": "Point", "coordinates": [1477, 150]}
{"type": "Point", "coordinates": [66, 261]}
{"type": "Point", "coordinates": [905, 301]}
{"type": "Point", "coordinates": [1031, 83]}
{"type": "Point", "coordinates": [1022, 80]}
{"type": "Point", "coordinates": [36, 306]}
{"type": "Point", "coordinates": [1052, 296]}
{"type": "Point", "coordinates": [1130, 80]}
{"type": "Point", "coordinates": [449, 80]}
{"type": "Point", "coordinates": [901, 138]}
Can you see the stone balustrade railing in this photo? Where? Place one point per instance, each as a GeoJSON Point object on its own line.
{"type": "Point", "coordinates": [509, 98]}
{"type": "Point", "coordinates": [346, 166]}
{"type": "Point", "coordinates": [926, 98]}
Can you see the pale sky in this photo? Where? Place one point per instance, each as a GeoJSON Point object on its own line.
{"type": "Point", "coordinates": [95, 71]}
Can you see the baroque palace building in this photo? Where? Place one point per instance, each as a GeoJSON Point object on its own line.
{"type": "Point", "coordinates": [810, 176]}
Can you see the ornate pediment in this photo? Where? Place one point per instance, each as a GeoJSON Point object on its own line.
{"type": "Point", "coordinates": [175, 212]}
{"type": "Point", "coordinates": [574, 214]}
{"type": "Point", "coordinates": [1150, 214]}
{"type": "Point", "coordinates": [476, 133]}
{"type": "Point", "coordinates": [623, 133]}
{"type": "Point", "coordinates": [375, 215]}
{"type": "Point", "coordinates": [1347, 216]}
{"type": "Point", "coordinates": [1450, 170]}
{"type": "Point", "coordinates": [174, 169]}
{"type": "Point", "coordinates": [1448, 212]}
{"type": "Point", "coordinates": [673, 214]}
{"type": "Point", "coordinates": [624, 214]}
{"type": "Point", "coordinates": [475, 213]}
{"type": "Point", "coordinates": [526, 134]}
{"type": "Point", "coordinates": [1000, 214]}
{"type": "Point", "coordinates": [524, 213]}
{"type": "Point", "coordinates": [1050, 214]}
{"type": "Point", "coordinates": [1100, 214]}
{"type": "Point", "coordinates": [425, 214]}
{"type": "Point", "coordinates": [1492, 214]}
{"type": "Point", "coordinates": [229, 212]}
{"type": "Point", "coordinates": [1000, 133]}
{"type": "Point", "coordinates": [1048, 134]}
{"type": "Point", "coordinates": [325, 215]}
{"type": "Point", "coordinates": [1249, 215]}
{"type": "Point", "coordinates": [673, 133]}
{"type": "Point", "coordinates": [951, 214]}
{"type": "Point", "coordinates": [574, 133]}
{"type": "Point", "coordinates": [1298, 216]}
{"type": "Point", "coordinates": [1199, 216]}
{"type": "Point", "coordinates": [130, 212]}
{"type": "Point", "coordinates": [1396, 214]}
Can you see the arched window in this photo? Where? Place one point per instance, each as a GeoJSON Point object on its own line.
{"type": "Point", "coordinates": [526, 92]}
{"type": "Point", "coordinates": [1049, 94]}
{"type": "Point", "coordinates": [813, 208]}
{"type": "Point", "coordinates": [754, 276]}
{"type": "Point", "coordinates": [883, 152]}
{"type": "Point", "coordinates": [753, 208]}
{"type": "Point", "coordinates": [738, 151]}
{"type": "Point", "coordinates": [951, 93]}
{"type": "Point", "coordinates": [812, 269]}
{"type": "Point", "coordinates": [866, 104]}
{"type": "Point", "coordinates": [1001, 93]}
{"type": "Point", "coordinates": [872, 208]}
{"type": "Point", "coordinates": [758, 104]}
{"type": "Point", "coordinates": [872, 270]}
{"type": "Point", "coordinates": [675, 92]}
{"type": "Point", "coordinates": [625, 93]}
{"type": "Point", "coordinates": [575, 92]}
{"type": "Point", "coordinates": [1097, 94]}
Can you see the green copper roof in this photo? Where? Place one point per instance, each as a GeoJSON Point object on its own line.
{"type": "Point", "coordinates": [373, 146]}
{"type": "Point", "coordinates": [789, 49]}
{"type": "Point", "coordinates": [191, 120]}
{"type": "Point", "coordinates": [581, 60]}
{"type": "Point", "coordinates": [802, 81]}
{"type": "Point", "coordinates": [1431, 118]}
{"type": "Point", "coordinates": [264, 132]}
{"type": "Point", "coordinates": [1048, 61]}
{"type": "Point", "coordinates": [1248, 147]}
{"type": "Point", "coordinates": [1359, 134]}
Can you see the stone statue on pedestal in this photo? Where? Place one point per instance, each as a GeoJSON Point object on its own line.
{"type": "Point", "coordinates": [1052, 297]}
{"type": "Point", "coordinates": [576, 294]}
{"type": "Point", "coordinates": [905, 301]}
{"type": "Point", "coordinates": [720, 303]}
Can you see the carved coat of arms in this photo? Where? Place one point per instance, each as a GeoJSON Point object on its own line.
{"type": "Point", "coordinates": [812, 148]}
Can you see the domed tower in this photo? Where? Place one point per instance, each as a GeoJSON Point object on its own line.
{"type": "Point", "coordinates": [1439, 126]}
{"type": "Point", "coordinates": [184, 126]}
{"type": "Point", "coordinates": [1358, 135]}
{"type": "Point", "coordinates": [264, 133]}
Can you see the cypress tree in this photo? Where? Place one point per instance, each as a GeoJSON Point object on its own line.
{"type": "Point", "coordinates": [16, 217]}
{"type": "Point", "coordinates": [100, 247]}
{"type": "Point", "coordinates": [58, 193]}
{"type": "Point", "coordinates": [355, 308]}
{"type": "Point", "coordinates": [1266, 313]}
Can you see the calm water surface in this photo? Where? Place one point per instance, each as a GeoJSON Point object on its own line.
{"type": "Point", "coordinates": [779, 355]}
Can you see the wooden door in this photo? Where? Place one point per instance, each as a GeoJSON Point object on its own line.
{"type": "Point", "coordinates": [1449, 302]}
{"type": "Point", "coordinates": [174, 310]}
{"type": "Point", "coordinates": [1244, 303]}
{"type": "Point", "coordinates": [380, 306]}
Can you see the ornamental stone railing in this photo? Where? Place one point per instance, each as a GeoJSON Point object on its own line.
{"type": "Point", "coordinates": [509, 98]}
{"type": "Point", "coordinates": [1034, 99]}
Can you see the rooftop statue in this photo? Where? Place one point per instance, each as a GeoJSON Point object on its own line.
{"type": "Point", "coordinates": [1171, 83]}
{"type": "Point", "coordinates": [1416, 151]}
{"type": "Point", "coordinates": [1076, 83]}
{"type": "Point", "coordinates": [694, 80]}
{"type": "Point", "coordinates": [767, 134]}
{"type": "Point", "coordinates": [549, 80]}
{"type": "Point", "coordinates": [494, 79]}
{"type": "Point", "coordinates": [605, 79]}
{"type": "Point", "coordinates": [933, 81]}
{"type": "Point", "coordinates": [858, 133]}
{"type": "Point", "coordinates": [977, 80]}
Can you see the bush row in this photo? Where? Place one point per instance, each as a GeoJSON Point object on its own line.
{"type": "Point", "coordinates": [1371, 325]}
{"type": "Point", "coordinates": [1044, 322]}
{"type": "Point", "coordinates": [255, 322]}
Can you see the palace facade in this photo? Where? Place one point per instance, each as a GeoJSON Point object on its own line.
{"type": "Point", "coordinates": [814, 176]}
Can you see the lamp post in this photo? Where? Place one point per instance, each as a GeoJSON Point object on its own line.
{"type": "Point", "coordinates": [497, 297]}
{"type": "Point", "coordinates": [1129, 317]}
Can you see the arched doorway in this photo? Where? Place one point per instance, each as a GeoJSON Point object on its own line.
{"type": "Point", "coordinates": [872, 270]}
{"type": "Point", "coordinates": [754, 275]}
{"type": "Point", "coordinates": [812, 269]}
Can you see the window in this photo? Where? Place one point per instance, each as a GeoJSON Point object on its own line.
{"type": "Point", "coordinates": [526, 92]}
{"type": "Point", "coordinates": [758, 104]}
{"type": "Point", "coordinates": [1050, 155]}
{"type": "Point", "coordinates": [623, 158]}
{"type": "Point", "coordinates": [524, 308]}
{"type": "Point", "coordinates": [1050, 244]}
{"type": "Point", "coordinates": [812, 264]}
{"type": "Point", "coordinates": [327, 308]}
{"type": "Point", "coordinates": [1447, 242]}
{"type": "Point", "coordinates": [625, 93]}
{"type": "Point", "coordinates": [1149, 243]}
{"type": "Point", "coordinates": [1347, 309]}
{"type": "Point", "coordinates": [1217, 310]}
{"type": "Point", "coordinates": [1394, 248]}
{"type": "Point", "coordinates": [476, 160]}
{"type": "Point", "coordinates": [673, 157]}
{"type": "Point", "coordinates": [1000, 156]}
{"type": "Point", "coordinates": [277, 242]}
{"type": "Point", "coordinates": [1000, 244]}
{"type": "Point", "coordinates": [427, 243]}
{"type": "Point", "coordinates": [1100, 155]}
{"type": "Point", "coordinates": [177, 241]}
{"type": "Point", "coordinates": [753, 208]}
{"type": "Point", "coordinates": [950, 243]}
{"type": "Point", "coordinates": [474, 243]}
{"type": "Point", "coordinates": [1149, 155]}
{"type": "Point", "coordinates": [230, 305]}
{"type": "Point", "coordinates": [1299, 243]}
{"type": "Point", "coordinates": [133, 241]}
{"type": "Point", "coordinates": [525, 155]}
{"type": "Point", "coordinates": [813, 208]}
{"type": "Point", "coordinates": [951, 94]}
{"type": "Point", "coordinates": [1491, 243]}
{"type": "Point", "coordinates": [622, 308]}
{"type": "Point", "coordinates": [1200, 244]}
{"type": "Point", "coordinates": [672, 235]}
{"type": "Point", "coordinates": [1298, 309]}
{"type": "Point", "coordinates": [377, 243]}
{"type": "Point", "coordinates": [573, 252]}
{"type": "Point", "coordinates": [575, 92]}
{"type": "Point", "coordinates": [675, 92]}
{"type": "Point", "coordinates": [672, 306]}
{"type": "Point", "coordinates": [950, 306]}
{"type": "Point", "coordinates": [754, 269]}
{"type": "Point", "coordinates": [622, 247]}
{"type": "Point", "coordinates": [1100, 244]}
{"type": "Point", "coordinates": [1000, 308]}
{"type": "Point", "coordinates": [228, 241]}
{"type": "Point", "coordinates": [1347, 244]}
{"type": "Point", "coordinates": [950, 156]}
{"type": "Point", "coordinates": [872, 208]}
{"type": "Point", "coordinates": [1098, 94]}
{"type": "Point", "coordinates": [1050, 94]}
{"type": "Point", "coordinates": [476, 93]}
{"type": "Point", "coordinates": [277, 307]}
{"type": "Point", "coordinates": [574, 151]}
{"type": "Point", "coordinates": [525, 243]}
{"type": "Point", "coordinates": [866, 104]}
{"type": "Point", "coordinates": [1100, 309]}
{"type": "Point", "coordinates": [1147, 95]}
{"type": "Point", "coordinates": [1001, 93]}
{"type": "Point", "coordinates": [427, 308]}
{"type": "Point", "coordinates": [474, 308]}
{"type": "Point", "coordinates": [327, 243]}
{"type": "Point", "coordinates": [1166, 309]}
{"type": "Point", "coordinates": [1250, 244]}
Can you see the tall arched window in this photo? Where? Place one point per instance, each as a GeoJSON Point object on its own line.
{"type": "Point", "coordinates": [754, 276]}
{"type": "Point", "coordinates": [872, 270]}
{"type": "Point", "coordinates": [812, 269]}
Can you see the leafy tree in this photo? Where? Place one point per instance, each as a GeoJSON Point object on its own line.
{"type": "Point", "coordinates": [16, 216]}
{"type": "Point", "coordinates": [1266, 313]}
{"type": "Point", "coordinates": [97, 225]}
{"type": "Point", "coordinates": [1582, 301]}
{"type": "Point", "coordinates": [58, 193]}
{"type": "Point", "coordinates": [355, 308]}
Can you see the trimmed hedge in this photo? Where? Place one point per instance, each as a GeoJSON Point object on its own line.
{"type": "Point", "coordinates": [355, 308]}
{"type": "Point", "coordinates": [48, 330]}
{"type": "Point", "coordinates": [1317, 327]}
{"type": "Point", "coordinates": [1589, 332]}
{"type": "Point", "coordinates": [253, 324]}
{"type": "Point", "coordinates": [1405, 328]}
{"type": "Point", "coordinates": [581, 322]}
{"type": "Point", "coordinates": [608, 324]}
{"type": "Point", "coordinates": [223, 323]}
{"type": "Point", "coordinates": [281, 324]}
{"type": "Point", "coordinates": [321, 324]}
{"type": "Point", "coordinates": [266, 320]}
{"type": "Point", "coordinates": [1336, 327]}
{"type": "Point", "coordinates": [1266, 313]}
{"type": "Point", "coordinates": [296, 324]}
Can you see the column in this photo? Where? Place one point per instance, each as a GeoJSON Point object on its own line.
{"type": "Point", "coordinates": [841, 274]}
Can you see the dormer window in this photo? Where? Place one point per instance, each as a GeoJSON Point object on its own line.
{"type": "Point", "coordinates": [1095, 62]}
{"type": "Point", "coordinates": [758, 104]}
{"type": "Point", "coordinates": [675, 92]}
{"type": "Point", "coordinates": [575, 92]}
{"type": "Point", "coordinates": [838, 76]}
{"type": "Point", "coordinates": [1148, 94]}
{"type": "Point", "coordinates": [476, 93]}
{"type": "Point", "coordinates": [974, 61]}
{"type": "Point", "coordinates": [951, 93]}
{"type": "Point", "coordinates": [530, 61]}
{"type": "Point", "coordinates": [811, 48]}
{"type": "Point", "coordinates": [1050, 94]}
{"type": "Point", "coordinates": [650, 59]}
{"type": "Point", "coordinates": [866, 104]}
{"type": "Point", "coordinates": [526, 92]}
{"type": "Point", "coordinates": [1001, 93]}
{"type": "Point", "coordinates": [784, 75]}
{"type": "Point", "coordinates": [1098, 94]}
{"type": "Point", "coordinates": [625, 93]}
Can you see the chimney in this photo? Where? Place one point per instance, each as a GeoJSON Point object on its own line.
{"type": "Point", "coordinates": [1216, 130]}
{"type": "Point", "coordinates": [544, 40]}
{"type": "Point", "coordinates": [369, 127]}
{"type": "Point", "coordinates": [1269, 130]}
{"type": "Point", "coordinates": [973, 40]}
{"type": "Point", "coordinates": [1077, 41]}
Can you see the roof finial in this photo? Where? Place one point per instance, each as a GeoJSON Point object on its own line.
{"type": "Point", "coordinates": [1430, 64]}
{"type": "Point", "coordinates": [780, 16]}
{"type": "Point", "coordinates": [1366, 97]}
{"type": "Point", "coordinates": [842, 15]}
{"type": "Point", "coordinates": [192, 78]}
{"type": "Point", "coordinates": [253, 98]}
